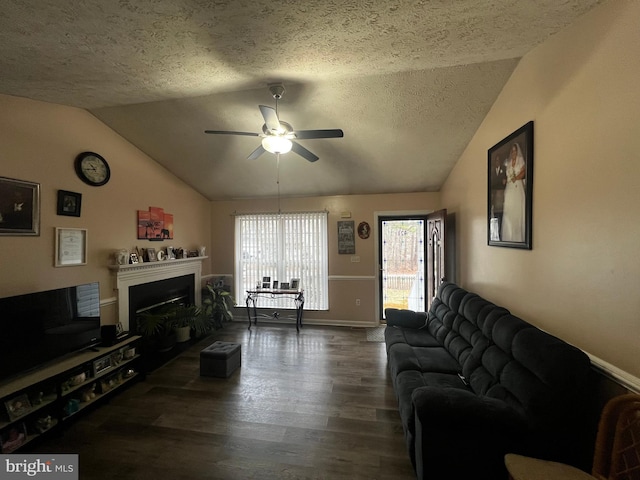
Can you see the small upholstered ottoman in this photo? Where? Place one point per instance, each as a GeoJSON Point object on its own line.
{"type": "Point", "coordinates": [220, 359]}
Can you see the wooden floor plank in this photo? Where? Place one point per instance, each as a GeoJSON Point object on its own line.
{"type": "Point", "coordinates": [316, 405]}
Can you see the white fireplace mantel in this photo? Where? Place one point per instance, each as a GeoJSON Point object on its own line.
{"type": "Point", "coordinates": [139, 273]}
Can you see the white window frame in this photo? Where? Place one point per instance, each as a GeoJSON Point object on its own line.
{"type": "Point", "coordinates": [283, 246]}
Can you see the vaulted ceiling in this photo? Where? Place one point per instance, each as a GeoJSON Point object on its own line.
{"type": "Point", "coordinates": [408, 82]}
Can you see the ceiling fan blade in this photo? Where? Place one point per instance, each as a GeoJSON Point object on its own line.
{"type": "Point", "coordinates": [270, 118]}
{"type": "Point", "coordinates": [256, 153]}
{"type": "Point", "coordinates": [225, 132]}
{"type": "Point", "coordinates": [303, 152]}
{"type": "Point", "coordinates": [304, 134]}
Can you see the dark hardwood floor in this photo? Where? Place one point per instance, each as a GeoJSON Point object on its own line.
{"type": "Point", "coordinates": [318, 404]}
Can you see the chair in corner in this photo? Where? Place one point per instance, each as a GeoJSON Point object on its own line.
{"type": "Point", "coordinates": [617, 449]}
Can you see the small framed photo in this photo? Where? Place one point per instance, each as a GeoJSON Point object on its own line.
{"type": "Point", "coordinates": [284, 286]}
{"type": "Point", "coordinates": [69, 203]}
{"type": "Point", "coordinates": [19, 207]}
{"type": "Point", "coordinates": [18, 407]}
{"type": "Point", "coordinates": [295, 284]}
{"type": "Point", "coordinates": [275, 284]}
{"type": "Point", "coordinates": [117, 357]}
{"type": "Point", "coordinates": [71, 247]}
{"type": "Point", "coordinates": [266, 282]}
{"type": "Point", "coordinates": [133, 258]}
{"type": "Point", "coordinates": [101, 364]}
{"type": "Point", "coordinates": [151, 255]}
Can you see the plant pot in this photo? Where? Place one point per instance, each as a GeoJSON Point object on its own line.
{"type": "Point", "coordinates": [183, 334]}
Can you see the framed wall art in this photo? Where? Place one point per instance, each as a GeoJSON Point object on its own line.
{"type": "Point", "coordinates": [154, 224]}
{"type": "Point", "coordinates": [19, 207]}
{"type": "Point", "coordinates": [510, 188]}
{"type": "Point", "coordinates": [71, 247]}
{"type": "Point", "coordinates": [69, 203]}
{"type": "Point", "coordinates": [346, 237]}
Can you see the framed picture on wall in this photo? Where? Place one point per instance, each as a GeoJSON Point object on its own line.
{"type": "Point", "coordinates": [70, 247]}
{"type": "Point", "coordinates": [19, 207]}
{"type": "Point", "coordinates": [69, 203]}
{"type": "Point", "coordinates": [510, 188]}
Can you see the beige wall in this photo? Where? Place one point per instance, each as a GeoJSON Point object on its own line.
{"type": "Point", "coordinates": [38, 143]}
{"type": "Point", "coordinates": [348, 281]}
{"type": "Point", "coordinates": [581, 279]}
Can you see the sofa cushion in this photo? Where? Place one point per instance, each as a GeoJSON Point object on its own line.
{"type": "Point", "coordinates": [405, 318]}
{"type": "Point", "coordinates": [410, 336]}
{"type": "Point", "coordinates": [404, 357]}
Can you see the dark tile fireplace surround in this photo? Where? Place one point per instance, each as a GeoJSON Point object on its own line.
{"type": "Point", "coordinates": [151, 295]}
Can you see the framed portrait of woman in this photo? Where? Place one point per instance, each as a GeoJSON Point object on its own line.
{"type": "Point", "coordinates": [510, 188]}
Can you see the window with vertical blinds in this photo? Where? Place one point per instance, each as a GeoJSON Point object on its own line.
{"type": "Point", "coordinates": [283, 246]}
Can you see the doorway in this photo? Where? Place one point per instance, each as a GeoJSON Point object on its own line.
{"type": "Point", "coordinates": [411, 260]}
{"type": "Point", "coordinates": [402, 257]}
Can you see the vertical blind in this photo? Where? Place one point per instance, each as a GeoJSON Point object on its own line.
{"type": "Point", "coordinates": [283, 246]}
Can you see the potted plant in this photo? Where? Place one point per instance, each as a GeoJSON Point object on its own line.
{"type": "Point", "coordinates": [190, 318]}
{"type": "Point", "coordinates": [184, 317]}
{"type": "Point", "coordinates": [158, 329]}
{"type": "Point", "coordinates": [175, 320]}
{"type": "Point", "coordinates": [217, 304]}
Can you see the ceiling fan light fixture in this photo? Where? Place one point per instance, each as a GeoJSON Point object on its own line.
{"type": "Point", "coordinates": [275, 144]}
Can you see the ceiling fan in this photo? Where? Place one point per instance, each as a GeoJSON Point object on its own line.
{"type": "Point", "coordinates": [279, 137]}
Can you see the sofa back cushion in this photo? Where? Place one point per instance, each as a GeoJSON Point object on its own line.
{"type": "Point", "coordinates": [506, 358]}
{"type": "Point", "coordinates": [405, 318]}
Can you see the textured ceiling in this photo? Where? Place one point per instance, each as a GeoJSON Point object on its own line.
{"type": "Point", "coordinates": [408, 82]}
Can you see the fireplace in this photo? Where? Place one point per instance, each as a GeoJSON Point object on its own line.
{"type": "Point", "coordinates": [147, 284]}
{"type": "Point", "coordinates": [148, 296]}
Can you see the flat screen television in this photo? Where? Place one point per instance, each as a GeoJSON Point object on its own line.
{"type": "Point", "coordinates": [38, 328]}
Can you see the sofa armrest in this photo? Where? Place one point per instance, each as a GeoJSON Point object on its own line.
{"type": "Point", "coordinates": [459, 434]}
{"type": "Point", "coordinates": [396, 317]}
{"type": "Point", "coordinates": [456, 408]}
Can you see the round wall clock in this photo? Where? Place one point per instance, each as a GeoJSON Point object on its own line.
{"type": "Point", "coordinates": [92, 169]}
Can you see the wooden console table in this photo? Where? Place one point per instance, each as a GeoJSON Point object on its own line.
{"type": "Point", "coordinates": [295, 295]}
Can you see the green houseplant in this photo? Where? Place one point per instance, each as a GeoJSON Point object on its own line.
{"type": "Point", "coordinates": [173, 321]}
{"type": "Point", "coordinates": [157, 329]}
{"type": "Point", "coordinates": [217, 303]}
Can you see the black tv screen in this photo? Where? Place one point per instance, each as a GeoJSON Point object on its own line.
{"type": "Point", "coordinates": [37, 328]}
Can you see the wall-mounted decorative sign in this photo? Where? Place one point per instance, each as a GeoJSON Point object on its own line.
{"type": "Point", "coordinates": [510, 178]}
{"type": "Point", "coordinates": [19, 207]}
{"type": "Point", "coordinates": [155, 224]}
{"type": "Point", "coordinates": [346, 237]}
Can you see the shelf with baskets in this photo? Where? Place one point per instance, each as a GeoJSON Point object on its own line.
{"type": "Point", "coordinates": [47, 397]}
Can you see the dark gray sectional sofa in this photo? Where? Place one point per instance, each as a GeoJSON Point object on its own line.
{"type": "Point", "coordinates": [474, 382]}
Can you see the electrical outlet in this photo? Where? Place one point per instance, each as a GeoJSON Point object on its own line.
{"type": "Point", "coordinates": [357, 302]}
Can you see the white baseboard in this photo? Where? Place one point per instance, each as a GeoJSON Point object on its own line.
{"type": "Point", "coordinates": [619, 376]}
